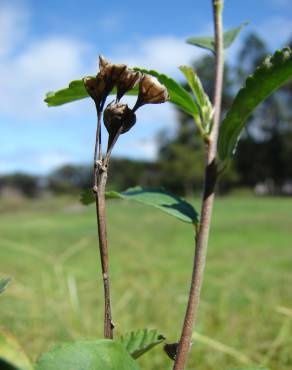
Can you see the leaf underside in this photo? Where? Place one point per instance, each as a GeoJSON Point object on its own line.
{"type": "Point", "coordinates": [155, 197]}
{"type": "Point", "coordinates": [274, 72]}
{"type": "Point", "coordinates": [209, 43]}
{"type": "Point", "coordinates": [141, 341]}
{"type": "Point", "coordinates": [100, 354]}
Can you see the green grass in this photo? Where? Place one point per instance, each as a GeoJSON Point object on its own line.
{"type": "Point", "coordinates": [50, 251]}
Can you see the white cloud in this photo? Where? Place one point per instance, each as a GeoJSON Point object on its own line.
{"type": "Point", "coordinates": [43, 65]}
{"type": "Point", "coordinates": [13, 23]}
{"type": "Point", "coordinates": [163, 53]}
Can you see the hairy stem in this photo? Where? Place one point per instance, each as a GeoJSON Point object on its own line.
{"type": "Point", "coordinates": [100, 178]}
{"type": "Point", "coordinates": [207, 200]}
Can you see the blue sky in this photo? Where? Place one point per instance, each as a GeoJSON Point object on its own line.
{"type": "Point", "coordinates": [45, 44]}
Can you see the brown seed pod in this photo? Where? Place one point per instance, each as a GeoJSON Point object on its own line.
{"type": "Point", "coordinates": [151, 91]}
{"type": "Point", "coordinates": [95, 86]}
{"type": "Point", "coordinates": [127, 81]}
{"type": "Point", "coordinates": [118, 116]}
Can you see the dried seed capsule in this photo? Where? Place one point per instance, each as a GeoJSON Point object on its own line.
{"type": "Point", "coordinates": [151, 91]}
{"type": "Point", "coordinates": [95, 86]}
{"type": "Point", "coordinates": [127, 81]}
{"type": "Point", "coordinates": [118, 116]}
{"type": "Point", "coordinates": [100, 86]}
{"type": "Point", "coordinates": [111, 73]}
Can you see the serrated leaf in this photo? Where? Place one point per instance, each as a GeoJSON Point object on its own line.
{"type": "Point", "coordinates": [274, 72]}
{"type": "Point", "coordinates": [155, 197]}
{"type": "Point", "coordinates": [177, 93]}
{"type": "Point", "coordinates": [11, 354]}
{"type": "Point", "coordinates": [209, 43]}
{"type": "Point", "coordinates": [141, 341]}
{"type": "Point", "coordinates": [202, 98]}
{"type": "Point", "coordinates": [4, 283]}
{"type": "Point", "coordinates": [100, 354]}
{"type": "Point", "coordinates": [75, 91]}
{"type": "Point", "coordinates": [161, 199]}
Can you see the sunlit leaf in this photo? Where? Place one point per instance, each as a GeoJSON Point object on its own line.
{"type": "Point", "coordinates": [209, 43]}
{"type": "Point", "coordinates": [141, 341]}
{"type": "Point", "coordinates": [274, 72]}
{"type": "Point", "coordinates": [155, 197]}
{"type": "Point", "coordinates": [100, 354]}
{"type": "Point", "coordinates": [12, 356]}
{"type": "Point", "coordinates": [202, 98]}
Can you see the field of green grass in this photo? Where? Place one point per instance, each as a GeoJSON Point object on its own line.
{"type": "Point", "coordinates": [49, 249]}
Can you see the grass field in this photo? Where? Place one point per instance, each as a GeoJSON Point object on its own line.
{"type": "Point", "coordinates": [245, 316]}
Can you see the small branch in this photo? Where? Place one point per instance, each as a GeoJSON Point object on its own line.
{"type": "Point", "coordinates": [207, 201]}
{"type": "Point", "coordinates": [100, 178]}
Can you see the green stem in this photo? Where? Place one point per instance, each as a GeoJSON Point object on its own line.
{"type": "Point", "coordinates": [202, 236]}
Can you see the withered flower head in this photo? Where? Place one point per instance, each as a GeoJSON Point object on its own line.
{"type": "Point", "coordinates": [127, 81]}
{"type": "Point", "coordinates": [118, 116]}
{"type": "Point", "coordinates": [151, 91]}
{"type": "Point", "coordinates": [111, 73]}
{"type": "Point", "coordinates": [100, 86]}
{"type": "Point", "coordinates": [95, 86]}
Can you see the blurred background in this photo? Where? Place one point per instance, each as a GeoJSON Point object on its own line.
{"type": "Point", "coordinates": [48, 240]}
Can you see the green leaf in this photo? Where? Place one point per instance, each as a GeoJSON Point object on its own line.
{"type": "Point", "coordinates": [75, 91]}
{"type": "Point", "coordinates": [161, 199]}
{"type": "Point", "coordinates": [202, 98]}
{"type": "Point", "coordinates": [274, 72]}
{"type": "Point", "coordinates": [100, 354]}
{"type": "Point", "coordinates": [3, 284]}
{"type": "Point", "coordinates": [141, 341]}
{"type": "Point", "coordinates": [155, 197]}
{"type": "Point", "coordinates": [209, 43]}
{"type": "Point", "coordinates": [177, 93]}
{"type": "Point", "coordinates": [11, 355]}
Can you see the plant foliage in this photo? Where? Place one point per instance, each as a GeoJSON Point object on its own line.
{"type": "Point", "coordinates": [100, 354]}
{"type": "Point", "coordinates": [209, 43]}
{"type": "Point", "coordinates": [155, 197]}
{"type": "Point", "coordinates": [275, 71]}
{"type": "Point", "coordinates": [141, 341]}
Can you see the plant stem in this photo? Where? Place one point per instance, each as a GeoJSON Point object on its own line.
{"type": "Point", "coordinates": [100, 178]}
{"type": "Point", "coordinates": [207, 200]}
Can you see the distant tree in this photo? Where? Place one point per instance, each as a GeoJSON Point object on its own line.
{"type": "Point", "coordinates": [25, 184]}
